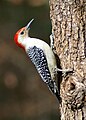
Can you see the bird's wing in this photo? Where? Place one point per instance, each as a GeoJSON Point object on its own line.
{"type": "Point", "coordinates": [38, 58]}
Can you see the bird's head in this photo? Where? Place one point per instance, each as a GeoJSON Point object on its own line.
{"type": "Point", "coordinates": [22, 34]}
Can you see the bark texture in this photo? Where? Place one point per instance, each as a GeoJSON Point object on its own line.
{"type": "Point", "coordinates": [68, 19]}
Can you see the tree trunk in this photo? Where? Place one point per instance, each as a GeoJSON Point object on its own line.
{"type": "Point", "coordinates": [69, 27]}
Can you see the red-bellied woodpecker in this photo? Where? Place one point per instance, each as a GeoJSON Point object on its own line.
{"type": "Point", "coordinates": [41, 55]}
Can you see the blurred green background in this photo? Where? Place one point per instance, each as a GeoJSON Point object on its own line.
{"type": "Point", "coordinates": [23, 95]}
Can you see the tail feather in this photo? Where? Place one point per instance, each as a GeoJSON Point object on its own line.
{"type": "Point", "coordinates": [54, 89]}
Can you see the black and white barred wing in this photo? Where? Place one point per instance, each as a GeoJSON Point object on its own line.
{"type": "Point", "coordinates": [38, 58]}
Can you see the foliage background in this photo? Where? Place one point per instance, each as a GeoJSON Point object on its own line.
{"type": "Point", "coordinates": [23, 96]}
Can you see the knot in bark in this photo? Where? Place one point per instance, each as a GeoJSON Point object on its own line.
{"type": "Point", "coordinates": [74, 93]}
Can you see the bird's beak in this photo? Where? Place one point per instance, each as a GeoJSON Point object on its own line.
{"type": "Point", "coordinates": [28, 25]}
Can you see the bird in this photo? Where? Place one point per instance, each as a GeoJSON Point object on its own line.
{"type": "Point", "coordinates": [41, 56]}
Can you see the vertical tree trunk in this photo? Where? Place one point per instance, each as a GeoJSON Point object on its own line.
{"type": "Point", "coordinates": [68, 25]}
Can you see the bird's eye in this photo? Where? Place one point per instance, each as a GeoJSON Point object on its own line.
{"type": "Point", "coordinates": [22, 33]}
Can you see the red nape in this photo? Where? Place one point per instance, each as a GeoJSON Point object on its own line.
{"type": "Point", "coordinates": [16, 38]}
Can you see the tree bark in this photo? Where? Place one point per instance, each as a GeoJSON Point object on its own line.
{"type": "Point", "coordinates": [68, 19]}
